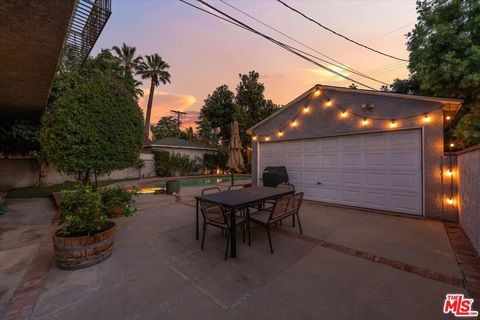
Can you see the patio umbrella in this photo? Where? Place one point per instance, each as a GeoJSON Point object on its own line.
{"type": "Point", "coordinates": [235, 159]}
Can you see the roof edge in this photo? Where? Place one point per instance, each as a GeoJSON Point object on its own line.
{"type": "Point", "coordinates": [447, 102]}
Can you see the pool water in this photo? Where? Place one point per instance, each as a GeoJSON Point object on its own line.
{"type": "Point", "coordinates": [191, 182]}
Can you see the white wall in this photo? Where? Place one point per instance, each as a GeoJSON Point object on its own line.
{"type": "Point", "coordinates": [18, 172]}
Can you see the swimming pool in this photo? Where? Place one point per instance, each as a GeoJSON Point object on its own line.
{"type": "Point", "coordinates": [191, 182]}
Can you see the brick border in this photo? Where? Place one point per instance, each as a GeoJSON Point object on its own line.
{"type": "Point", "coordinates": [25, 297]}
{"type": "Point", "coordinates": [395, 264]}
{"type": "Point", "coordinates": [467, 258]}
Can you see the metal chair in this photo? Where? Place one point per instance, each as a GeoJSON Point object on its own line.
{"type": "Point", "coordinates": [210, 190]}
{"type": "Point", "coordinates": [215, 215]}
{"type": "Point", "coordinates": [282, 208]}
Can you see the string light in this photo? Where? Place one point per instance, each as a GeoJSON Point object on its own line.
{"type": "Point", "coordinates": [280, 133]}
{"type": "Point", "coordinates": [267, 138]}
{"type": "Point", "coordinates": [254, 138]}
{"type": "Point", "coordinates": [365, 121]}
{"type": "Point", "coordinates": [344, 114]}
{"type": "Point", "coordinates": [306, 109]}
{"type": "Point", "coordinates": [328, 103]}
{"type": "Point", "coordinates": [448, 118]}
{"type": "Point", "coordinates": [426, 119]}
{"type": "Point", "coordinates": [449, 173]}
{"type": "Point", "coordinates": [450, 200]}
{"type": "Point", "coordinates": [294, 123]}
{"type": "Point", "coordinates": [393, 124]}
{"type": "Point", "coordinates": [317, 92]}
{"type": "Point", "coordinates": [452, 144]}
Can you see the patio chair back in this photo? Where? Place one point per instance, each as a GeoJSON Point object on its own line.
{"type": "Point", "coordinates": [286, 206]}
{"type": "Point", "coordinates": [287, 186]}
{"type": "Point", "coordinates": [236, 187]}
{"type": "Point", "coordinates": [210, 190]}
{"type": "Point", "coordinates": [213, 212]}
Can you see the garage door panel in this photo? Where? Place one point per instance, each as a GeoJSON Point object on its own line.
{"type": "Point", "coordinates": [379, 170]}
{"type": "Point", "coordinates": [351, 179]}
{"type": "Point", "coordinates": [310, 160]}
{"type": "Point", "coordinates": [328, 160]}
{"type": "Point", "coordinates": [350, 159]}
{"type": "Point", "coordinates": [328, 194]}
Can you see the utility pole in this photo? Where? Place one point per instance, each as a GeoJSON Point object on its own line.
{"type": "Point", "coordinates": [179, 115]}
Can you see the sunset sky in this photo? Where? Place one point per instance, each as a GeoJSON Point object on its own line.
{"type": "Point", "coordinates": [204, 52]}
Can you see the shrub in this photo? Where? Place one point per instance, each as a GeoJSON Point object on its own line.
{"type": "Point", "coordinates": [162, 163]}
{"type": "Point", "coordinates": [94, 124]}
{"type": "Point", "coordinates": [81, 213]}
{"type": "Point", "coordinates": [119, 198]}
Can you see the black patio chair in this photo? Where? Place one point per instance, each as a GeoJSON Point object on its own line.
{"type": "Point", "coordinates": [215, 215]}
{"type": "Point", "coordinates": [282, 208]}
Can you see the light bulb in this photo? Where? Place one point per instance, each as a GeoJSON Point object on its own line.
{"type": "Point", "coordinates": [450, 200]}
{"type": "Point", "coordinates": [306, 109]}
{"type": "Point", "coordinates": [294, 123]}
{"type": "Point", "coordinates": [452, 145]}
{"type": "Point", "coordinates": [365, 121]}
{"type": "Point", "coordinates": [280, 133]}
{"type": "Point", "coordinates": [449, 173]}
{"type": "Point", "coordinates": [426, 119]}
{"type": "Point", "coordinates": [344, 114]}
{"type": "Point", "coordinates": [448, 117]}
{"type": "Point", "coordinates": [317, 92]}
{"type": "Point", "coordinates": [267, 138]}
{"type": "Point", "coordinates": [393, 124]}
{"type": "Point", "coordinates": [254, 138]}
{"type": "Point", "coordinates": [328, 103]}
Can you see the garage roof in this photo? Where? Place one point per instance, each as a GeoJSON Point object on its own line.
{"type": "Point", "coordinates": [452, 105]}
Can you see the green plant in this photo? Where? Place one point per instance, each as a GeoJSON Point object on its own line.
{"type": "Point", "coordinates": [94, 124]}
{"type": "Point", "coordinates": [161, 163]}
{"type": "Point", "coordinates": [119, 198]}
{"type": "Point", "coordinates": [82, 212]}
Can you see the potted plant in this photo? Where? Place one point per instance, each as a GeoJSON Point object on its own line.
{"type": "Point", "coordinates": [118, 202]}
{"type": "Point", "coordinates": [86, 236]}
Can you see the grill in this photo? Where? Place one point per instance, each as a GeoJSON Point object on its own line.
{"type": "Point", "coordinates": [273, 176]}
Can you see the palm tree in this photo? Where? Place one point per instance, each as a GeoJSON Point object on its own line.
{"type": "Point", "coordinates": [138, 89]}
{"type": "Point", "coordinates": [154, 69]}
{"type": "Point", "coordinates": [127, 57]}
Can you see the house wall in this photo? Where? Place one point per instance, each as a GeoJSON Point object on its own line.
{"type": "Point", "coordinates": [18, 172]}
{"type": "Point", "coordinates": [469, 193]}
{"type": "Point", "coordinates": [192, 153]}
{"type": "Point", "coordinates": [324, 121]}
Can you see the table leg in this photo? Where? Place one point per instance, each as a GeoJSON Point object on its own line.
{"type": "Point", "coordinates": [233, 234]}
{"type": "Point", "coordinates": [196, 218]}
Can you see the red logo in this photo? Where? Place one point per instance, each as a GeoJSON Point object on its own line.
{"type": "Point", "coordinates": [459, 306]}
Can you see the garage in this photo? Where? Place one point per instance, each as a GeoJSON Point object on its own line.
{"type": "Point", "coordinates": [380, 151]}
{"type": "Point", "coordinates": [377, 170]}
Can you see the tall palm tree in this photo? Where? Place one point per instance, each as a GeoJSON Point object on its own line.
{"type": "Point", "coordinates": [154, 69]}
{"type": "Point", "coordinates": [128, 58]}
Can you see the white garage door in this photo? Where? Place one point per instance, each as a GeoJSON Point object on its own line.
{"type": "Point", "coordinates": [378, 170]}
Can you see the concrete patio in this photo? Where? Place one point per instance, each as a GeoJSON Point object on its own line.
{"type": "Point", "coordinates": [349, 264]}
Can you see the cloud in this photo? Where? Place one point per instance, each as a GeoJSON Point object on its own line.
{"type": "Point", "coordinates": [325, 76]}
{"type": "Point", "coordinates": [163, 102]}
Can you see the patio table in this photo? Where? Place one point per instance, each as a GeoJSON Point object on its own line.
{"type": "Point", "coordinates": [234, 200]}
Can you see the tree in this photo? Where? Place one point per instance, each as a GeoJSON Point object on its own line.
{"type": "Point", "coordinates": [217, 113]}
{"type": "Point", "coordinates": [250, 97]}
{"type": "Point", "coordinates": [445, 57]}
{"type": "Point", "coordinates": [128, 59]}
{"type": "Point", "coordinates": [154, 69]}
{"type": "Point", "coordinates": [166, 127]}
{"type": "Point", "coordinates": [94, 124]}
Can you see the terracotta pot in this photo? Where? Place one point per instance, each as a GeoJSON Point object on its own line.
{"type": "Point", "coordinates": [117, 212]}
{"type": "Point", "coordinates": [80, 252]}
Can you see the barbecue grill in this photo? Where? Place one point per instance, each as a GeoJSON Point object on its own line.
{"type": "Point", "coordinates": [273, 176]}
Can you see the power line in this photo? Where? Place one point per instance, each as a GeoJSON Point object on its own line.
{"type": "Point", "coordinates": [340, 64]}
{"type": "Point", "coordinates": [291, 49]}
{"type": "Point", "coordinates": [339, 34]}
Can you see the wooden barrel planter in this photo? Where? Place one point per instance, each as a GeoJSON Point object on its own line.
{"type": "Point", "coordinates": [80, 252]}
{"type": "Point", "coordinates": [117, 212]}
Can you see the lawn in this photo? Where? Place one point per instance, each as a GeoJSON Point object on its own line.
{"type": "Point", "coordinates": [46, 191]}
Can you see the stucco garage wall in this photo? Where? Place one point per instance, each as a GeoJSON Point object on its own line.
{"type": "Point", "coordinates": [469, 193]}
{"type": "Point", "coordinates": [324, 121]}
